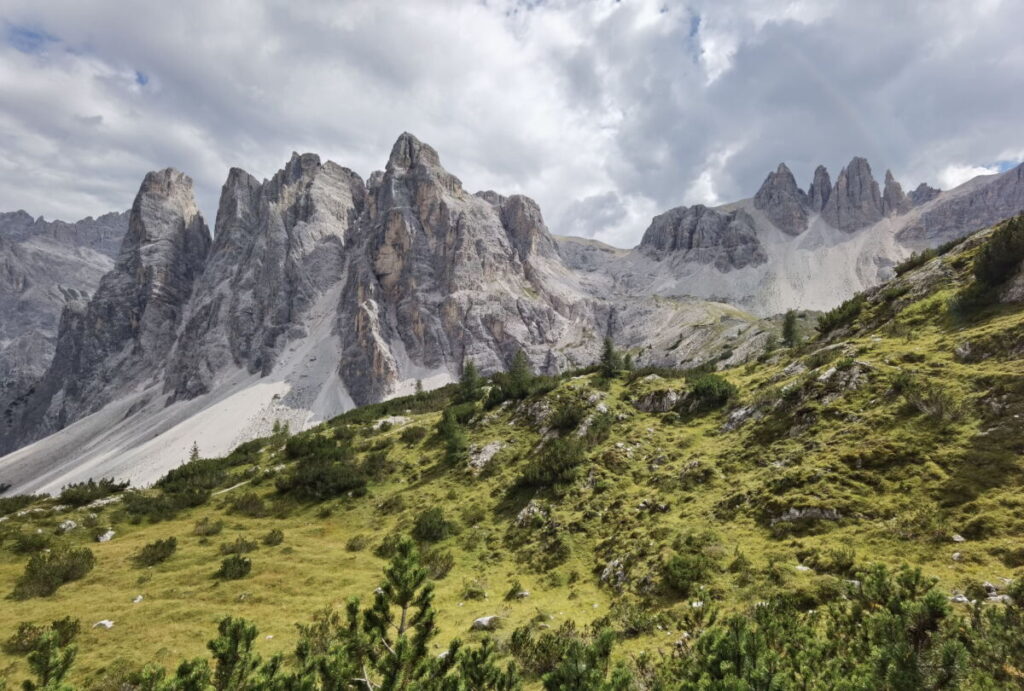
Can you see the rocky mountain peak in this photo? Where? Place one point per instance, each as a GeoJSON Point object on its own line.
{"type": "Point", "coordinates": [820, 189]}
{"type": "Point", "coordinates": [855, 201]}
{"type": "Point", "coordinates": [894, 201]}
{"type": "Point", "coordinates": [923, 194]}
{"type": "Point", "coordinates": [782, 201]}
{"type": "Point", "coordinates": [408, 151]}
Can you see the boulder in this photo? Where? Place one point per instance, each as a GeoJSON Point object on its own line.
{"type": "Point", "coordinates": [488, 623]}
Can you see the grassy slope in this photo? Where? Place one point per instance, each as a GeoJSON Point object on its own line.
{"type": "Point", "coordinates": [902, 480]}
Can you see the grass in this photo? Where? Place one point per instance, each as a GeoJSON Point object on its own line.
{"type": "Point", "coordinates": [837, 434]}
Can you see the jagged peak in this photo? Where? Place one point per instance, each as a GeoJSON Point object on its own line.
{"type": "Point", "coordinates": [409, 151]}
{"type": "Point", "coordinates": [165, 182]}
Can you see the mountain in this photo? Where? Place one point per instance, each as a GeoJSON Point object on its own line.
{"type": "Point", "coordinates": [44, 265]}
{"type": "Point", "coordinates": [866, 483]}
{"type": "Point", "coordinates": [790, 249]}
{"type": "Point", "coordinates": [319, 292]}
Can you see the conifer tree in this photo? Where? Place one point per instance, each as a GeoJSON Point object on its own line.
{"type": "Point", "coordinates": [470, 382]}
{"type": "Point", "coordinates": [611, 360]}
{"type": "Point", "coordinates": [790, 337]}
{"type": "Point", "coordinates": [520, 376]}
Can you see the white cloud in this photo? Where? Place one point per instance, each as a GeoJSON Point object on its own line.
{"type": "Point", "coordinates": [606, 112]}
{"type": "Point", "coordinates": [955, 174]}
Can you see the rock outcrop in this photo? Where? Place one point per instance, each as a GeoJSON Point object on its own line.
{"type": "Point", "coordinates": [894, 201]}
{"type": "Point", "coordinates": [124, 332]}
{"type": "Point", "coordinates": [820, 189]}
{"type": "Point", "coordinates": [923, 194]}
{"type": "Point", "coordinates": [724, 239]}
{"type": "Point", "coordinates": [854, 202]}
{"type": "Point", "coordinates": [782, 201]}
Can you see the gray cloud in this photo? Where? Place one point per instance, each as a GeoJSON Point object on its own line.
{"type": "Point", "coordinates": [605, 112]}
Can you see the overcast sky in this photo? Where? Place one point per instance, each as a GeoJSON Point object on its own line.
{"type": "Point", "coordinates": [605, 112]}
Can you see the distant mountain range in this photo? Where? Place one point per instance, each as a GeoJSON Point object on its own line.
{"type": "Point", "coordinates": [125, 339]}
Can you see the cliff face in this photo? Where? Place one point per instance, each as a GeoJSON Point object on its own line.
{"type": "Point", "coordinates": [321, 291]}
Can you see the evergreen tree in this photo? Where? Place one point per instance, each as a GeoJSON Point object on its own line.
{"type": "Point", "coordinates": [790, 337]}
{"type": "Point", "coordinates": [520, 376]}
{"type": "Point", "coordinates": [193, 454]}
{"type": "Point", "coordinates": [611, 360]}
{"type": "Point", "coordinates": [419, 389]}
{"type": "Point", "coordinates": [50, 662]}
{"type": "Point", "coordinates": [470, 382]}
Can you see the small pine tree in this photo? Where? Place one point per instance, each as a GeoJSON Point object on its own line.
{"type": "Point", "coordinates": [470, 382]}
{"type": "Point", "coordinates": [611, 360]}
{"type": "Point", "coordinates": [193, 454]}
{"type": "Point", "coordinates": [50, 662]}
{"type": "Point", "coordinates": [520, 376]}
{"type": "Point", "coordinates": [419, 389]}
{"type": "Point", "coordinates": [790, 337]}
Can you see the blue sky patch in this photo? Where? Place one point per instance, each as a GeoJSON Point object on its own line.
{"type": "Point", "coordinates": [28, 39]}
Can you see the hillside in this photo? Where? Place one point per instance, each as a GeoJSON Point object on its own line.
{"type": "Point", "coordinates": [649, 502]}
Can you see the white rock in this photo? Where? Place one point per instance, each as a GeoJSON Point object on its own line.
{"type": "Point", "coordinates": [488, 623]}
{"type": "Point", "coordinates": [106, 537]}
{"type": "Point", "coordinates": [137, 599]}
{"type": "Point", "coordinates": [103, 624]}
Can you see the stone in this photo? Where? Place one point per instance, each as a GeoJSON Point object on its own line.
{"type": "Point", "coordinates": [480, 457]}
{"type": "Point", "coordinates": [922, 194]}
{"type": "Point", "coordinates": [894, 201]}
{"type": "Point", "coordinates": [957, 537]}
{"type": "Point", "coordinates": [855, 201]}
{"type": "Point", "coordinates": [659, 401]}
{"type": "Point", "coordinates": [137, 599]}
{"type": "Point", "coordinates": [103, 624]}
{"type": "Point", "coordinates": [820, 189]}
{"type": "Point", "coordinates": [106, 536]}
{"type": "Point", "coordinates": [66, 526]}
{"type": "Point", "coordinates": [782, 201]}
{"type": "Point", "coordinates": [488, 623]}
{"type": "Point", "coordinates": [723, 239]}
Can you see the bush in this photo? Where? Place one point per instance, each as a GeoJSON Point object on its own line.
{"type": "Point", "coordinates": [273, 538]}
{"type": "Point", "coordinates": [206, 528]}
{"type": "Point", "coordinates": [82, 493]}
{"type": "Point", "coordinates": [156, 552]}
{"type": "Point", "coordinates": [234, 568]}
{"type": "Point", "coordinates": [932, 400]}
{"type": "Point", "coordinates": [9, 505]}
{"type": "Point", "coordinates": [431, 526]}
{"type": "Point", "coordinates": [568, 415]}
{"type": "Point", "coordinates": [438, 563]}
{"type": "Point", "coordinates": [47, 571]}
{"type": "Point", "coordinates": [25, 639]}
{"type": "Point", "coordinates": [710, 391]}
{"type": "Point", "coordinates": [248, 504]}
{"type": "Point", "coordinates": [239, 546]}
{"type": "Point", "coordinates": [317, 478]}
{"type": "Point", "coordinates": [411, 436]}
{"type": "Point", "coordinates": [357, 543]}
{"type": "Point", "coordinates": [30, 543]}
{"type": "Point", "coordinates": [556, 463]}
{"type": "Point", "coordinates": [843, 315]}
{"type": "Point", "coordinates": [1002, 255]}
{"type": "Point", "coordinates": [683, 571]}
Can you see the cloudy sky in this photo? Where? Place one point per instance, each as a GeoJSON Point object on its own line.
{"type": "Point", "coordinates": [604, 111]}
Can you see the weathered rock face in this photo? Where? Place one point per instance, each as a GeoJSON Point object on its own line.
{"type": "Point", "coordinates": [123, 334]}
{"type": "Point", "coordinates": [279, 246]}
{"type": "Point", "coordinates": [923, 194]}
{"type": "Point", "coordinates": [439, 275]}
{"type": "Point", "coordinates": [855, 201]}
{"type": "Point", "coordinates": [43, 266]}
{"type": "Point", "coordinates": [782, 201]}
{"type": "Point", "coordinates": [820, 190]}
{"type": "Point", "coordinates": [725, 240]}
{"type": "Point", "coordinates": [972, 206]}
{"type": "Point", "coordinates": [894, 201]}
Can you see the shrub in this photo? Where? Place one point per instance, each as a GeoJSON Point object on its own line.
{"type": "Point", "coordinates": [411, 436]}
{"type": "Point", "coordinates": [471, 514]}
{"type": "Point", "coordinates": [156, 552]}
{"type": "Point", "coordinates": [933, 400]}
{"type": "Point", "coordinates": [206, 528]}
{"type": "Point", "coordinates": [568, 415]}
{"type": "Point", "coordinates": [357, 543]}
{"type": "Point", "coordinates": [239, 546]}
{"type": "Point", "coordinates": [317, 478]}
{"type": "Point", "coordinates": [710, 391]}
{"type": "Point", "coordinates": [682, 571]}
{"type": "Point", "coordinates": [430, 525]}
{"type": "Point", "coordinates": [473, 590]}
{"type": "Point", "coordinates": [556, 464]}
{"type": "Point", "coordinates": [9, 505]}
{"type": "Point", "coordinates": [248, 504]}
{"type": "Point", "coordinates": [25, 639]}
{"type": "Point", "coordinates": [82, 493]}
{"type": "Point", "coordinates": [30, 543]}
{"type": "Point", "coordinates": [843, 315]}
{"type": "Point", "coordinates": [273, 538]}
{"type": "Point", "coordinates": [47, 571]}
{"type": "Point", "coordinates": [438, 563]}
{"type": "Point", "coordinates": [386, 548]}
{"type": "Point", "coordinates": [202, 474]}
{"type": "Point", "coordinates": [393, 504]}
{"type": "Point", "coordinates": [1001, 256]}
{"type": "Point", "coordinates": [234, 568]}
